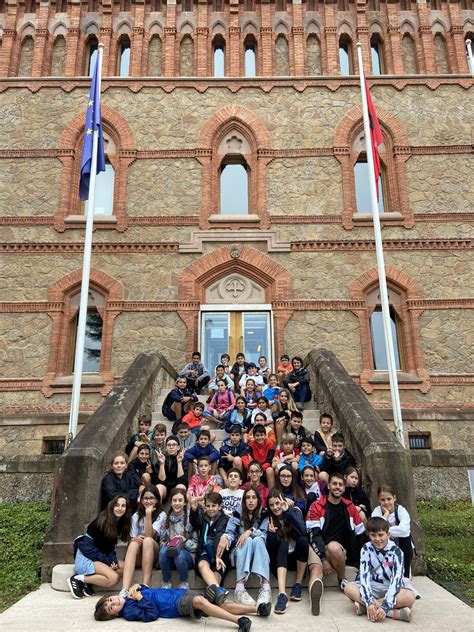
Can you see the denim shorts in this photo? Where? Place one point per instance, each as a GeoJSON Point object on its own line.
{"type": "Point", "coordinates": [83, 565]}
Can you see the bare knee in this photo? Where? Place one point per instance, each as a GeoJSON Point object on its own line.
{"type": "Point", "coordinates": [335, 550]}
{"type": "Point", "coordinates": [237, 462]}
{"type": "Point", "coordinates": [199, 602]}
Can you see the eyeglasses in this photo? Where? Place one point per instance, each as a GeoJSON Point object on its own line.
{"type": "Point", "coordinates": [171, 444]}
{"type": "Point", "coordinates": [254, 471]}
{"type": "Point", "coordinates": [286, 476]}
{"type": "Point", "coordinates": [149, 498]}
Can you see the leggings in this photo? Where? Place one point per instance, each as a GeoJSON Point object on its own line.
{"type": "Point", "coordinates": [407, 548]}
{"type": "Point", "coordinates": [280, 556]}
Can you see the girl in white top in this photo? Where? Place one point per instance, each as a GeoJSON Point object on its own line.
{"type": "Point", "coordinates": [399, 520]}
{"type": "Point", "coordinates": [143, 546]}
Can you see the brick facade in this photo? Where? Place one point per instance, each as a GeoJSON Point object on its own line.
{"type": "Point", "coordinates": [303, 241]}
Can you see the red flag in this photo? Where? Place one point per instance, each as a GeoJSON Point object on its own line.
{"type": "Point", "coordinates": [376, 137]}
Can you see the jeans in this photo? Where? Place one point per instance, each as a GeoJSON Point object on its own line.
{"type": "Point", "coordinates": [252, 557]}
{"type": "Point", "coordinates": [183, 563]}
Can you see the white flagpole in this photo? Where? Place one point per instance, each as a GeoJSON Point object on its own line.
{"type": "Point", "coordinates": [86, 266]}
{"type": "Point", "coordinates": [470, 58]}
{"type": "Point", "coordinates": [392, 373]}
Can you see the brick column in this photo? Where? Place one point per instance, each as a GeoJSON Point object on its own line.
{"type": "Point", "coordinates": [332, 52]}
{"type": "Point", "coordinates": [459, 53]}
{"type": "Point", "coordinates": [266, 48]}
{"type": "Point", "coordinates": [363, 38]}
{"type": "Point", "coordinates": [298, 51]}
{"type": "Point", "coordinates": [169, 51]}
{"type": "Point", "coordinates": [234, 51]}
{"type": "Point", "coordinates": [202, 36]}
{"type": "Point", "coordinates": [428, 49]}
{"type": "Point", "coordinates": [105, 38]}
{"type": "Point", "coordinates": [72, 61]}
{"type": "Point", "coordinates": [396, 56]}
{"type": "Point", "coordinates": [6, 53]}
{"type": "Point", "coordinates": [136, 54]}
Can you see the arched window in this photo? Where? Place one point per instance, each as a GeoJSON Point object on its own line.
{"type": "Point", "coordinates": [313, 55]}
{"type": "Point", "coordinates": [379, 352]}
{"type": "Point", "coordinates": [361, 181]}
{"type": "Point", "coordinates": [57, 61]}
{"type": "Point", "coordinates": [346, 61]}
{"type": "Point", "coordinates": [409, 55]}
{"type": "Point", "coordinates": [376, 55]}
{"type": "Point", "coordinates": [93, 332]}
{"type": "Point", "coordinates": [105, 183]}
{"type": "Point", "coordinates": [234, 186]}
{"type": "Point", "coordinates": [404, 330]}
{"type": "Point", "coordinates": [26, 57]}
{"type": "Point", "coordinates": [282, 56]}
{"type": "Point", "coordinates": [250, 56]}
{"type": "Point", "coordinates": [92, 50]}
{"type": "Point", "coordinates": [123, 59]}
{"type": "Point", "coordinates": [218, 56]}
{"type": "Point", "coordinates": [186, 57]}
{"type": "Point", "coordinates": [155, 56]}
{"type": "Point", "coordinates": [441, 54]}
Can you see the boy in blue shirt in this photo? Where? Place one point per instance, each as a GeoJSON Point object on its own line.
{"type": "Point", "coordinates": [380, 590]}
{"type": "Point", "coordinates": [308, 455]}
{"type": "Point", "coordinates": [149, 604]}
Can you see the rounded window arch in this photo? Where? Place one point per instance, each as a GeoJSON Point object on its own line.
{"type": "Point", "coordinates": [441, 54]}
{"type": "Point", "coordinates": [313, 55]}
{"type": "Point", "coordinates": [58, 56]}
{"type": "Point", "coordinates": [282, 56]}
{"type": "Point", "coordinates": [377, 55]}
{"type": "Point", "coordinates": [346, 55]}
{"type": "Point", "coordinates": [123, 56]}
{"type": "Point", "coordinates": [218, 56]}
{"type": "Point", "coordinates": [26, 56]}
{"type": "Point", "coordinates": [250, 56]}
{"type": "Point", "coordinates": [155, 56]}
{"type": "Point", "coordinates": [91, 50]}
{"type": "Point", "coordinates": [410, 58]}
{"type": "Point", "coordinates": [234, 177]}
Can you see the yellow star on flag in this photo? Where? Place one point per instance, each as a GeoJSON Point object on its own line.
{"type": "Point", "coordinates": [89, 131]}
{"type": "Point", "coordinates": [91, 103]}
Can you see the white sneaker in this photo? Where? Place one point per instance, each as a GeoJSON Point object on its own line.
{"type": "Point", "coordinates": [242, 596]}
{"type": "Point", "coordinates": [167, 584]}
{"type": "Point", "coordinates": [183, 585]}
{"type": "Point", "coordinates": [264, 602]}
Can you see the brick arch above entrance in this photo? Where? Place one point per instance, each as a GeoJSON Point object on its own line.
{"type": "Point", "coordinates": [250, 262]}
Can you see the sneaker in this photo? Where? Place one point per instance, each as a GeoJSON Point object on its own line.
{"type": "Point", "coordinates": [400, 614]}
{"type": "Point", "coordinates": [295, 594]}
{"type": "Point", "coordinates": [315, 594]}
{"type": "Point", "coordinates": [359, 609]}
{"type": "Point", "coordinates": [264, 602]}
{"type": "Point", "coordinates": [167, 585]}
{"type": "Point", "coordinates": [89, 590]}
{"type": "Point", "coordinates": [282, 601]}
{"type": "Point", "coordinates": [242, 596]}
{"type": "Point", "coordinates": [343, 583]}
{"type": "Point", "coordinates": [183, 585]}
{"type": "Point", "coordinates": [244, 624]}
{"type": "Point", "coordinates": [76, 587]}
{"type": "Point", "coordinates": [123, 593]}
{"type": "Point", "coordinates": [216, 594]}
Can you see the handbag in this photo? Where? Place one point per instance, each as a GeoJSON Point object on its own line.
{"type": "Point", "coordinates": [175, 546]}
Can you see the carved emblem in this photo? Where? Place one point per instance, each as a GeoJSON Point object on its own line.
{"type": "Point", "coordinates": [235, 287]}
{"type": "Point", "coordinates": [234, 144]}
{"type": "Point", "coordinates": [235, 251]}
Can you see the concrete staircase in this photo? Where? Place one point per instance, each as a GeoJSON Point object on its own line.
{"type": "Point", "coordinates": [61, 572]}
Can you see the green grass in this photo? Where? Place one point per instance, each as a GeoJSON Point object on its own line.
{"type": "Point", "coordinates": [449, 531]}
{"type": "Point", "coordinates": [22, 532]}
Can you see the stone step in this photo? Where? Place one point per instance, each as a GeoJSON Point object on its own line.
{"type": "Point", "coordinates": [61, 573]}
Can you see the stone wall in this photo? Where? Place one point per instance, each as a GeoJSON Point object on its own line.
{"type": "Point", "coordinates": [448, 341]}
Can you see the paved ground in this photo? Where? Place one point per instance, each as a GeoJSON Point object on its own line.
{"type": "Point", "coordinates": [47, 610]}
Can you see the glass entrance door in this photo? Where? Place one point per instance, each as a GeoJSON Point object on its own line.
{"type": "Point", "coordinates": [235, 332]}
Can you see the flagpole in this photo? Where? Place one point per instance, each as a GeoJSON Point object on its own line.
{"type": "Point", "coordinates": [392, 373]}
{"type": "Point", "coordinates": [469, 56]}
{"type": "Point", "coordinates": [86, 266]}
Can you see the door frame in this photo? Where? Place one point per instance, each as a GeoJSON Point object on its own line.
{"type": "Point", "coordinates": [245, 307]}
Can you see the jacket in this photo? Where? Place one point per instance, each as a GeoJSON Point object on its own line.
{"type": "Point", "coordinates": [95, 545]}
{"type": "Point", "coordinates": [236, 419]}
{"type": "Point", "coordinates": [199, 368]}
{"type": "Point", "coordinates": [297, 375]}
{"type": "Point", "coordinates": [155, 603]}
{"type": "Point", "coordinates": [317, 524]}
{"type": "Point", "coordinates": [215, 529]}
{"type": "Point", "coordinates": [235, 527]}
{"type": "Point", "coordinates": [241, 449]}
{"type": "Point", "coordinates": [357, 496]}
{"type": "Point", "coordinates": [198, 487]}
{"type": "Point", "coordinates": [295, 521]}
{"type": "Point", "coordinates": [321, 441]}
{"type": "Point", "coordinates": [137, 437]}
{"type": "Point", "coordinates": [196, 451]}
{"type": "Point", "coordinates": [222, 402]}
{"type": "Point", "coordinates": [263, 453]}
{"type": "Point", "coordinates": [126, 486]}
{"type": "Point", "coordinates": [384, 567]}
{"type": "Point", "coordinates": [139, 468]}
{"type": "Point", "coordinates": [314, 460]}
{"type": "Point", "coordinates": [330, 465]}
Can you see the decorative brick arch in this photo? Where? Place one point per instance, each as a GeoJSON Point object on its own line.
{"type": "Point", "coordinates": [394, 154]}
{"type": "Point", "coordinates": [414, 374]}
{"type": "Point", "coordinates": [234, 117]}
{"type": "Point", "coordinates": [247, 261]}
{"type": "Point", "coordinates": [70, 151]}
{"type": "Point", "coordinates": [60, 293]}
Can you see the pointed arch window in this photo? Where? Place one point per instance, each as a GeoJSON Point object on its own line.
{"type": "Point", "coordinates": [282, 56]}
{"type": "Point", "coordinates": [218, 56]}
{"type": "Point", "coordinates": [123, 61]}
{"type": "Point", "coordinates": [250, 56]}
{"type": "Point", "coordinates": [441, 54]}
{"type": "Point", "coordinates": [361, 181]}
{"type": "Point", "coordinates": [92, 50]}
{"type": "Point", "coordinates": [346, 60]}
{"type": "Point", "coordinates": [377, 56]}
{"type": "Point", "coordinates": [410, 62]}
{"type": "Point", "coordinates": [57, 61]}
{"type": "Point", "coordinates": [313, 55]}
{"type": "Point", "coordinates": [93, 332]}
{"type": "Point", "coordinates": [186, 57]}
{"type": "Point", "coordinates": [155, 53]}
{"type": "Point", "coordinates": [379, 352]}
{"type": "Point", "coordinates": [234, 186]}
{"type": "Point", "coordinates": [26, 57]}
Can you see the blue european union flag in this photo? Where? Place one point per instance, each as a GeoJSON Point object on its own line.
{"type": "Point", "coordinates": [93, 122]}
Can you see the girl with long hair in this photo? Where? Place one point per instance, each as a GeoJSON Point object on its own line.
{"type": "Point", "coordinates": [246, 533]}
{"type": "Point", "coordinates": [287, 546]}
{"type": "Point", "coordinates": [287, 485]}
{"type": "Point", "coordinates": [119, 480]}
{"type": "Point", "coordinates": [143, 546]}
{"type": "Point", "coordinates": [175, 527]}
{"type": "Point", "coordinates": [95, 559]}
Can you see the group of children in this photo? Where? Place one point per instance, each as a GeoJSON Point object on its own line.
{"type": "Point", "coordinates": [274, 497]}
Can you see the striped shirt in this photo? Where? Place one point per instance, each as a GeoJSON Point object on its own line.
{"type": "Point", "coordinates": [384, 567]}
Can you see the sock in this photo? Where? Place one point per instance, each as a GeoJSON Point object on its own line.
{"type": "Point", "coordinates": [400, 614]}
{"type": "Point", "coordinates": [265, 583]}
{"type": "Point", "coordinates": [239, 587]}
{"type": "Point", "coordinates": [79, 577]}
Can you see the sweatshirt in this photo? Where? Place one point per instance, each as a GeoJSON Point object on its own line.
{"type": "Point", "coordinates": [384, 566]}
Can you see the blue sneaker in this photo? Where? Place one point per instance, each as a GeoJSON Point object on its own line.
{"type": "Point", "coordinates": [295, 594]}
{"type": "Point", "coordinates": [282, 601]}
{"type": "Point", "coordinates": [216, 594]}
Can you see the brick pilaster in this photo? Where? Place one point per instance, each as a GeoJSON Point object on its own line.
{"type": "Point", "coordinates": [395, 58]}
{"type": "Point", "coordinates": [330, 40]}
{"type": "Point", "coordinates": [169, 44]}
{"type": "Point", "coordinates": [458, 63]}
{"type": "Point", "coordinates": [298, 48]}
{"type": "Point", "coordinates": [8, 61]}
{"type": "Point", "coordinates": [203, 57]}
{"type": "Point", "coordinates": [363, 38]}
{"type": "Point", "coordinates": [266, 41]}
{"type": "Point", "coordinates": [73, 63]}
{"type": "Point", "coordinates": [234, 51]}
{"type": "Point", "coordinates": [136, 54]}
{"type": "Point", "coordinates": [429, 61]}
{"type": "Point", "coordinates": [41, 35]}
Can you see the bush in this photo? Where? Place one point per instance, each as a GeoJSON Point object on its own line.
{"type": "Point", "coordinates": [22, 533]}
